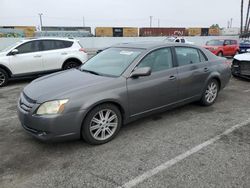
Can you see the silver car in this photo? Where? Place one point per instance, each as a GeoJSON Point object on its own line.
{"type": "Point", "coordinates": [117, 86]}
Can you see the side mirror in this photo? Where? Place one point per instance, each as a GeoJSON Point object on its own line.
{"type": "Point", "coordinates": [14, 52]}
{"type": "Point", "coordinates": [143, 71]}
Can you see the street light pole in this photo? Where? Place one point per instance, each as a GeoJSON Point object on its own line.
{"type": "Point", "coordinates": [41, 21]}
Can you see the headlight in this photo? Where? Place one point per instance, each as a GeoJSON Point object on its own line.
{"type": "Point", "coordinates": [51, 107]}
{"type": "Point", "coordinates": [215, 48]}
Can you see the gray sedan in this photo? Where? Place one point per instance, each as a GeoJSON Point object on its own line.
{"type": "Point", "coordinates": [117, 86]}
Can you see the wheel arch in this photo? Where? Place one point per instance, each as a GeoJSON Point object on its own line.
{"type": "Point", "coordinates": [113, 102]}
{"type": "Point", "coordinates": [75, 59]}
{"type": "Point", "coordinates": [6, 69]}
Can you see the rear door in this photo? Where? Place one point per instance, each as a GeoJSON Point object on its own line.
{"type": "Point", "coordinates": [193, 71]}
{"type": "Point", "coordinates": [227, 48]}
{"type": "Point", "coordinates": [28, 60]}
{"type": "Point", "coordinates": [54, 53]}
{"type": "Point", "coordinates": [157, 90]}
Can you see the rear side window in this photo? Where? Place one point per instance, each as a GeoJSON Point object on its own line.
{"type": "Point", "coordinates": [187, 56]}
{"type": "Point", "coordinates": [233, 42]}
{"type": "Point", "coordinates": [55, 44]}
{"type": "Point", "coordinates": [29, 47]}
{"type": "Point", "coordinates": [158, 60]}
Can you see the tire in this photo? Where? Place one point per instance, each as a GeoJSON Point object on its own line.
{"type": "Point", "coordinates": [4, 78]}
{"type": "Point", "coordinates": [210, 94]}
{"type": "Point", "coordinates": [220, 54]}
{"type": "Point", "coordinates": [96, 128]}
{"type": "Point", "coordinates": [71, 65]}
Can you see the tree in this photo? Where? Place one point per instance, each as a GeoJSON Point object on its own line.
{"type": "Point", "coordinates": [216, 26]}
{"type": "Point", "coordinates": [241, 17]}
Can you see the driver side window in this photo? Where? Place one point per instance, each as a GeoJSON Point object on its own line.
{"type": "Point", "coordinates": [28, 47]}
{"type": "Point", "coordinates": [158, 60]}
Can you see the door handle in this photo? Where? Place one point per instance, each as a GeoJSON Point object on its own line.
{"type": "Point", "coordinates": [206, 69]}
{"type": "Point", "coordinates": [37, 56]}
{"type": "Point", "coordinates": [172, 78]}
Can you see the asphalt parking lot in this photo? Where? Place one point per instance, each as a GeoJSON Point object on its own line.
{"type": "Point", "coordinates": [164, 150]}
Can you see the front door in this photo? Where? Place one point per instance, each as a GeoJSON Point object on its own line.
{"type": "Point", "coordinates": [157, 90]}
{"type": "Point", "coordinates": [28, 60]}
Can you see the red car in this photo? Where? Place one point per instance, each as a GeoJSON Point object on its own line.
{"type": "Point", "coordinates": [223, 47]}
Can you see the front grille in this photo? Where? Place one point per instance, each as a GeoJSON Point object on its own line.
{"type": "Point", "coordinates": [245, 68]}
{"type": "Point", "coordinates": [26, 103]}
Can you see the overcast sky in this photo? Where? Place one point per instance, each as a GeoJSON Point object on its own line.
{"type": "Point", "coordinates": [171, 13]}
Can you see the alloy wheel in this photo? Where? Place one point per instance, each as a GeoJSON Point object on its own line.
{"type": "Point", "coordinates": [103, 124]}
{"type": "Point", "coordinates": [71, 65]}
{"type": "Point", "coordinates": [211, 92]}
{"type": "Point", "coordinates": [2, 78]}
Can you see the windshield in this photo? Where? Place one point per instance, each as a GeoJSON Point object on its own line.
{"type": "Point", "coordinates": [215, 43]}
{"type": "Point", "coordinates": [11, 46]}
{"type": "Point", "coordinates": [111, 62]}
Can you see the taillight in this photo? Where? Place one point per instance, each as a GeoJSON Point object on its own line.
{"type": "Point", "coordinates": [82, 50]}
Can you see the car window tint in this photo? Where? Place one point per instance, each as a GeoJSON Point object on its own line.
{"type": "Point", "coordinates": [227, 42]}
{"type": "Point", "coordinates": [158, 60]}
{"type": "Point", "coordinates": [48, 44]}
{"type": "Point", "coordinates": [29, 47]}
{"type": "Point", "coordinates": [59, 44]}
{"type": "Point", "coordinates": [186, 55]}
{"type": "Point", "coordinates": [233, 42]}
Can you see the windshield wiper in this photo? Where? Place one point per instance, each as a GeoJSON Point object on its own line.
{"type": "Point", "coordinates": [90, 71]}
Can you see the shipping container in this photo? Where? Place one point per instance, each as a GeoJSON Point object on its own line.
{"type": "Point", "coordinates": [11, 33]}
{"type": "Point", "coordinates": [63, 28]}
{"type": "Point", "coordinates": [214, 32]}
{"type": "Point", "coordinates": [117, 32]}
{"type": "Point", "coordinates": [204, 31]}
{"type": "Point", "coordinates": [194, 31]}
{"type": "Point", "coordinates": [146, 32]}
{"type": "Point", "coordinates": [130, 32]}
{"type": "Point", "coordinates": [29, 31]}
{"type": "Point", "coordinates": [104, 32]}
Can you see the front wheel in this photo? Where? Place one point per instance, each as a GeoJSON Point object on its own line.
{"type": "Point", "coordinates": [101, 124]}
{"type": "Point", "coordinates": [3, 78]}
{"type": "Point", "coordinates": [211, 93]}
{"type": "Point", "coordinates": [220, 54]}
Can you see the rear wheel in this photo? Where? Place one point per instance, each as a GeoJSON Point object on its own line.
{"type": "Point", "coordinates": [70, 65]}
{"type": "Point", "coordinates": [101, 124]}
{"type": "Point", "coordinates": [3, 78]}
{"type": "Point", "coordinates": [211, 93]}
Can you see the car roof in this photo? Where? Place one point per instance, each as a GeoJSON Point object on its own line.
{"type": "Point", "coordinates": [49, 38]}
{"type": "Point", "coordinates": [150, 45]}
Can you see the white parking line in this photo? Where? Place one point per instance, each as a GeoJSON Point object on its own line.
{"type": "Point", "coordinates": [246, 91]}
{"type": "Point", "coordinates": [7, 118]}
{"type": "Point", "coordinates": [180, 157]}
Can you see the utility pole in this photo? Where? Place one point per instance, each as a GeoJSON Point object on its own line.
{"type": "Point", "coordinates": [83, 21]}
{"type": "Point", "coordinates": [231, 22]}
{"type": "Point", "coordinates": [41, 21]}
{"type": "Point", "coordinates": [158, 22]}
{"type": "Point", "coordinates": [150, 20]}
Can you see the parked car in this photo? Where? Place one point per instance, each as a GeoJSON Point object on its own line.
{"type": "Point", "coordinates": [241, 66]}
{"type": "Point", "coordinates": [123, 83]}
{"type": "Point", "coordinates": [223, 47]}
{"type": "Point", "coordinates": [244, 46]}
{"type": "Point", "coordinates": [39, 56]}
{"type": "Point", "coordinates": [178, 40]}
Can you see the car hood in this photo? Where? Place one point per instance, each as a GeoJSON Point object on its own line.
{"type": "Point", "coordinates": [62, 84]}
{"type": "Point", "coordinates": [2, 54]}
{"type": "Point", "coordinates": [243, 57]}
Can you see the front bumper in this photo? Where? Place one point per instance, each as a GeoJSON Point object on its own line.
{"type": "Point", "coordinates": [51, 127]}
{"type": "Point", "coordinates": [241, 69]}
